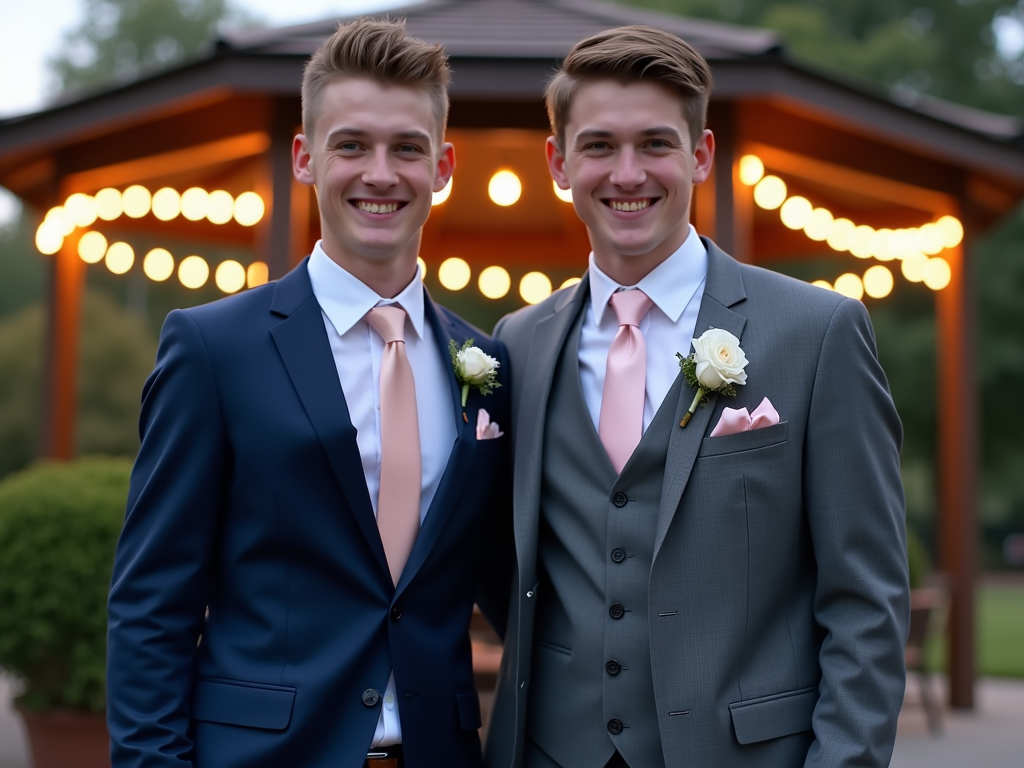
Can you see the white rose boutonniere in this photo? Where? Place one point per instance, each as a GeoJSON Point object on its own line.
{"type": "Point", "coordinates": [716, 365]}
{"type": "Point", "coordinates": [473, 368]}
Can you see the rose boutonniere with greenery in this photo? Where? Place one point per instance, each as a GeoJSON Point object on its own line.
{"type": "Point", "coordinates": [473, 368]}
{"type": "Point", "coordinates": [716, 365]}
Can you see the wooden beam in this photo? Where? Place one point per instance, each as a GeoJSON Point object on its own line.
{"type": "Point", "coordinates": [67, 277]}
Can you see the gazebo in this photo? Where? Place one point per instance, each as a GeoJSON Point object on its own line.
{"type": "Point", "coordinates": [806, 165]}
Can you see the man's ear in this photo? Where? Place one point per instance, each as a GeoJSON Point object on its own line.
{"type": "Point", "coordinates": [302, 160]}
{"type": "Point", "coordinates": [704, 156]}
{"type": "Point", "coordinates": [556, 163]}
{"type": "Point", "coordinates": [445, 166]}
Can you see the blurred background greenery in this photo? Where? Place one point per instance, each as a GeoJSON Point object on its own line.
{"type": "Point", "coordinates": [968, 51]}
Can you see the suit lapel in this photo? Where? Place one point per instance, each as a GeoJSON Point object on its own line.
{"type": "Point", "coordinates": [723, 289]}
{"type": "Point", "coordinates": [302, 342]}
{"type": "Point", "coordinates": [459, 460]}
{"type": "Point", "coordinates": [549, 336]}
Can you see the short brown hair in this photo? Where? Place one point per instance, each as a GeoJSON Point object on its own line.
{"type": "Point", "coordinates": [379, 50]}
{"type": "Point", "coordinates": [629, 55]}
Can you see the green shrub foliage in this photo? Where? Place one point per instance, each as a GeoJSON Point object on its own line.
{"type": "Point", "coordinates": [59, 525]}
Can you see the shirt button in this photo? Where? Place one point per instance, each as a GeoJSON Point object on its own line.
{"type": "Point", "coordinates": [615, 726]}
{"type": "Point", "coordinates": [396, 611]}
{"type": "Point", "coordinates": [616, 611]}
{"type": "Point", "coordinates": [613, 667]}
{"type": "Point", "coordinates": [370, 697]}
{"type": "Point", "coordinates": [618, 555]}
{"type": "Point", "coordinates": [389, 701]}
{"type": "Point", "coordinates": [619, 499]}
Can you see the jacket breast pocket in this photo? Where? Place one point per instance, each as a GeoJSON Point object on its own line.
{"type": "Point", "coordinates": [774, 716]}
{"type": "Point", "coordinates": [765, 437]}
{"type": "Point", "coordinates": [251, 705]}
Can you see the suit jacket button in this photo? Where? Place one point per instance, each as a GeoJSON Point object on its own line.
{"type": "Point", "coordinates": [616, 611]}
{"type": "Point", "coordinates": [619, 499]}
{"type": "Point", "coordinates": [613, 667]}
{"type": "Point", "coordinates": [618, 555]}
{"type": "Point", "coordinates": [396, 611]}
{"type": "Point", "coordinates": [615, 726]}
{"type": "Point", "coordinates": [370, 697]}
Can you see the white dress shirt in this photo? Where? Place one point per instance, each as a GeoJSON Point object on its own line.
{"type": "Point", "coordinates": [676, 287]}
{"type": "Point", "coordinates": [344, 301]}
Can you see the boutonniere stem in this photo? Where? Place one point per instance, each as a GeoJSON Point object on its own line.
{"type": "Point", "coordinates": [716, 364]}
{"type": "Point", "coordinates": [474, 369]}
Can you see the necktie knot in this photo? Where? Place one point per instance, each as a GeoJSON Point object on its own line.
{"type": "Point", "coordinates": [630, 306]}
{"type": "Point", "coordinates": [388, 321]}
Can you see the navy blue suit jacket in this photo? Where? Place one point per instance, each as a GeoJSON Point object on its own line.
{"type": "Point", "coordinates": [248, 499]}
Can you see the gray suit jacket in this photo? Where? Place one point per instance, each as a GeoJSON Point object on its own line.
{"type": "Point", "coordinates": [778, 595]}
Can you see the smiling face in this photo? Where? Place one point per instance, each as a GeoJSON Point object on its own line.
{"type": "Point", "coordinates": [375, 157]}
{"type": "Point", "coordinates": [630, 162]}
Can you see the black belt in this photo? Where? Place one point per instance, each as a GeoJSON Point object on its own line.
{"type": "Point", "coordinates": [384, 757]}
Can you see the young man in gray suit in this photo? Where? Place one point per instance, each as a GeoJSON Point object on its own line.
{"type": "Point", "coordinates": [732, 592]}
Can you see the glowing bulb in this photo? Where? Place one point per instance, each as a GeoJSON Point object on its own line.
{"type": "Point", "coordinates": [937, 273]}
{"type": "Point", "coordinates": [823, 284]}
{"type": "Point", "coordinates": [108, 204]}
{"type": "Point", "coordinates": [819, 224]}
{"type": "Point", "coordinates": [49, 239]}
{"type": "Point", "coordinates": [257, 274]}
{"type": "Point", "coordinates": [570, 282]}
{"type": "Point", "coordinates": [850, 285]}
{"type": "Point", "coordinates": [839, 238]}
{"type": "Point", "coordinates": [249, 209]}
{"type": "Point", "coordinates": [423, 267]}
{"type": "Point", "coordinates": [158, 265]}
{"type": "Point", "coordinates": [230, 276]}
{"type": "Point", "coordinates": [59, 219]}
{"type": "Point", "coordinates": [92, 247]}
{"type": "Point", "coordinates": [220, 207]}
{"type": "Point", "coordinates": [796, 212]}
{"type": "Point", "coordinates": [505, 189]}
{"type": "Point", "coordinates": [565, 195]}
{"type": "Point", "coordinates": [930, 239]}
{"type": "Point", "coordinates": [770, 193]}
{"type": "Point", "coordinates": [136, 201]}
{"type": "Point", "coordinates": [883, 250]}
{"type": "Point", "coordinates": [166, 204]}
{"type": "Point", "coordinates": [952, 231]}
{"type": "Point", "coordinates": [534, 287]}
{"type": "Point", "coordinates": [862, 242]}
{"type": "Point", "coordinates": [901, 243]}
{"type": "Point", "coordinates": [194, 203]}
{"type": "Point", "coordinates": [751, 170]}
{"type": "Point", "coordinates": [454, 274]}
{"type": "Point", "coordinates": [81, 208]}
{"type": "Point", "coordinates": [913, 267]}
{"type": "Point", "coordinates": [878, 282]}
{"type": "Point", "coordinates": [193, 272]}
{"type": "Point", "coordinates": [120, 258]}
{"type": "Point", "coordinates": [439, 197]}
{"type": "Point", "coordinates": [494, 282]}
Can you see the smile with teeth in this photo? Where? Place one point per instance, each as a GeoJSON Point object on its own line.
{"type": "Point", "coordinates": [371, 207]}
{"type": "Point", "coordinates": [630, 205]}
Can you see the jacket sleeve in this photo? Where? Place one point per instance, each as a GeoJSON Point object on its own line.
{"type": "Point", "coordinates": [855, 508]}
{"type": "Point", "coordinates": [158, 592]}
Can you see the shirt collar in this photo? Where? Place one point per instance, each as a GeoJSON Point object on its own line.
{"type": "Point", "coordinates": [346, 299]}
{"type": "Point", "coordinates": [670, 285]}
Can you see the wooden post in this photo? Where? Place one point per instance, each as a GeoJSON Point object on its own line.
{"type": "Point", "coordinates": [276, 188]}
{"type": "Point", "coordinates": [67, 278]}
{"type": "Point", "coordinates": [733, 206]}
{"type": "Point", "coordinates": [957, 464]}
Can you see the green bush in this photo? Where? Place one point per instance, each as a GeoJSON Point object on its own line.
{"type": "Point", "coordinates": [918, 561]}
{"type": "Point", "coordinates": [59, 525]}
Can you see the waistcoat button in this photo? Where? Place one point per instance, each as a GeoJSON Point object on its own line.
{"type": "Point", "coordinates": [616, 611]}
{"type": "Point", "coordinates": [615, 726]}
{"type": "Point", "coordinates": [618, 555]}
{"type": "Point", "coordinates": [619, 499]}
{"type": "Point", "coordinates": [396, 611]}
{"type": "Point", "coordinates": [370, 697]}
{"type": "Point", "coordinates": [613, 667]}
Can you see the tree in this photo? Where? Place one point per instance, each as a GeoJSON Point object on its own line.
{"type": "Point", "coordinates": [121, 39]}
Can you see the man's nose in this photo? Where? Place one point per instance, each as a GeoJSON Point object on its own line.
{"type": "Point", "coordinates": [380, 170]}
{"type": "Point", "coordinates": [628, 171]}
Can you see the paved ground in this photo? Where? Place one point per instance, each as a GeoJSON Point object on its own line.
{"type": "Point", "coordinates": [991, 737]}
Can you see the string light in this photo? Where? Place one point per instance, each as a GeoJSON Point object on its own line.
{"type": "Point", "coordinates": [194, 203]}
{"type": "Point", "coordinates": [878, 282]}
{"type": "Point", "coordinates": [454, 274]}
{"type": "Point", "coordinates": [796, 212]}
{"type": "Point", "coordinates": [439, 197]}
{"type": "Point", "coordinates": [423, 267]}
{"type": "Point", "coordinates": [166, 204]}
{"type": "Point", "coordinates": [257, 274]}
{"type": "Point", "coordinates": [570, 282]}
{"type": "Point", "coordinates": [158, 265]}
{"type": "Point", "coordinates": [850, 285]}
{"type": "Point", "coordinates": [120, 258]}
{"type": "Point", "coordinates": [534, 287]}
{"type": "Point", "coordinates": [193, 272]}
{"type": "Point", "coordinates": [937, 273]}
{"type": "Point", "coordinates": [136, 201]}
{"type": "Point", "coordinates": [770, 193]}
{"type": "Point", "coordinates": [230, 276]}
{"type": "Point", "coordinates": [494, 282]}
{"type": "Point", "coordinates": [751, 170]}
{"type": "Point", "coordinates": [249, 209]}
{"type": "Point", "coordinates": [108, 204]}
{"type": "Point", "coordinates": [565, 195]}
{"type": "Point", "coordinates": [92, 247]}
{"type": "Point", "coordinates": [220, 207]}
{"type": "Point", "coordinates": [81, 208]}
{"type": "Point", "coordinates": [505, 188]}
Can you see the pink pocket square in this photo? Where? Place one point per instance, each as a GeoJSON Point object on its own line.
{"type": "Point", "coordinates": [734, 420]}
{"type": "Point", "coordinates": [485, 428]}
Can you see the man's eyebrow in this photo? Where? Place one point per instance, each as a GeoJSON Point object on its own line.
{"type": "Point", "coordinates": [662, 130]}
{"type": "Point", "coordinates": [346, 132]}
{"type": "Point", "coordinates": [591, 133]}
{"type": "Point", "coordinates": [413, 134]}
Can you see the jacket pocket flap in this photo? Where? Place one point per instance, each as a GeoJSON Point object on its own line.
{"type": "Point", "coordinates": [252, 705]}
{"type": "Point", "coordinates": [770, 717]}
{"type": "Point", "coordinates": [744, 441]}
{"type": "Point", "coordinates": [469, 710]}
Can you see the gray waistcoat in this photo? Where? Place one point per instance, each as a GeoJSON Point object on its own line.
{"type": "Point", "coordinates": [591, 655]}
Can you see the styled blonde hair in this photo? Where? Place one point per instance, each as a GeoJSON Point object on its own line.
{"type": "Point", "coordinates": [378, 50]}
{"type": "Point", "coordinates": [630, 55]}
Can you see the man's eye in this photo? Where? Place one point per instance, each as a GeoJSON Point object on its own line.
{"type": "Point", "coordinates": [598, 145]}
{"type": "Point", "coordinates": [658, 144]}
{"type": "Point", "coordinates": [408, 148]}
{"type": "Point", "coordinates": [348, 146]}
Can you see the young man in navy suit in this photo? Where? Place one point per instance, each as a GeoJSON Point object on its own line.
{"type": "Point", "coordinates": [314, 491]}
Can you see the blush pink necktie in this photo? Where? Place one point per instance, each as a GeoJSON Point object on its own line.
{"type": "Point", "coordinates": [621, 424]}
{"type": "Point", "coordinates": [398, 501]}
